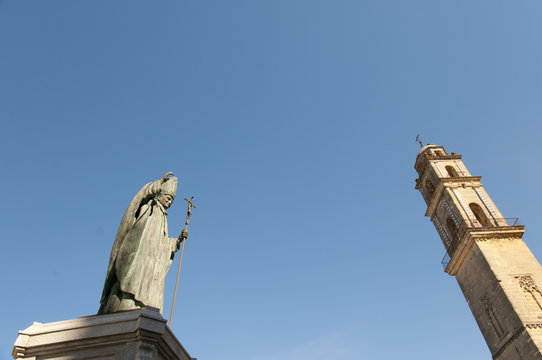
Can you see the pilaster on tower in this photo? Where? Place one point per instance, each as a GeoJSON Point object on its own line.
{"type": "Point", "coordinates": [496, 272]}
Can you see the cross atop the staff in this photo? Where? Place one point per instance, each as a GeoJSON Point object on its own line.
{"type": "Point", "coordinates": [190, 203]}
{"type": "Point", "coordinates": [190, 206]}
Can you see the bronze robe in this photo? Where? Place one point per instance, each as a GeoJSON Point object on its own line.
{"type": "Point", "coordinates": [141, 254]}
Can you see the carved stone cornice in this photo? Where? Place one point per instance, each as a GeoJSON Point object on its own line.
{"type": "Point", "coordinates": [497, 232]}
{"type": "Point", "coordinates": [480, 234]}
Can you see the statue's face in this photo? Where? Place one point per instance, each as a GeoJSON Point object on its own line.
{"type": "Point", "coordinates": [165, 200]}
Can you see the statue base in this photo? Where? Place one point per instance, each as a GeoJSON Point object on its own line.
{"type": "Point", "coordinates": [134, 334]}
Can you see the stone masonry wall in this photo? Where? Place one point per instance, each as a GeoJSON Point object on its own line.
{"type": "Point", "coordinates": [493, 279]}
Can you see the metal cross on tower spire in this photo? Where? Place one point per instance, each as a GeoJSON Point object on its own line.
{"type": "Point", "coordinates": [418, 140]}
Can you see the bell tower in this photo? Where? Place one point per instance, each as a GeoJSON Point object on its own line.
{"type": "Point", "coordinates": [497, 273]}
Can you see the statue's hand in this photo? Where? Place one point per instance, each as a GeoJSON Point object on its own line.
{"type": "Point", "coordinates": [166, 175]}
{"type": "Point", "coordinates": [183, 236]}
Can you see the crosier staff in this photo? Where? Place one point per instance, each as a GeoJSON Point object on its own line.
{"type": "Point", "coordinates": [188, 214]}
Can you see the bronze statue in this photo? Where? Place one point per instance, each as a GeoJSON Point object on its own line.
{"type": "Point", "coordinates": [143, 251]}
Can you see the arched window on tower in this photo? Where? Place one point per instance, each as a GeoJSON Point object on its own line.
{"type": "Point", "coordinates": [451, 171]}
{"type": "Point", "coordinates": [430, 188]}
{"type": "Point", "coordinates": [479, 214]}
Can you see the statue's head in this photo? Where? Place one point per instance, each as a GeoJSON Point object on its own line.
{"type": "Point", "coordinates": [167, 192]}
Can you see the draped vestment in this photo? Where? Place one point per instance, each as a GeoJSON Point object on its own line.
{"type": "Point", "coordinates": [141, 255]}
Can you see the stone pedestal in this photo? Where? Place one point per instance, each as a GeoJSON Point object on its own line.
{"type": "Point", "coordinates": [135, 334]}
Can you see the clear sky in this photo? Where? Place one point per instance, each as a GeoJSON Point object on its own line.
{"type": "Point", "coordinates": [293, 124]}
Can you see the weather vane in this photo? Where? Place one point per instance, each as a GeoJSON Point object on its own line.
{"type": "Point", "coordinates": [419, 141]}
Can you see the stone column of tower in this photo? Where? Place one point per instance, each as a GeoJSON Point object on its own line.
{"type": "Point", "coordinates": [497, 273]}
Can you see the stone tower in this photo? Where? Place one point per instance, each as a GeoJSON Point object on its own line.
{"type": "Point", "coordinates": [497, 273]}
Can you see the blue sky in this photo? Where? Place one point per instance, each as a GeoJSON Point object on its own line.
{"type": "Point", "coordinates": [293, 124]}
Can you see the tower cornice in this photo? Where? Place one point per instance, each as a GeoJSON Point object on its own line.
{"type": "Point", "coordinates": [480, 234]}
